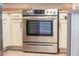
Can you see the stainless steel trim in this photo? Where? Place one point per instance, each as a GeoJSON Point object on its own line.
{"type": "Point", "coordinates": [40, 17]}
{"type": "Point", "coordinates": [39, 44]}
{"type": "Point", "coordinates": [1, 38]}
{"type": "Point", "coordinates": [69, 35]}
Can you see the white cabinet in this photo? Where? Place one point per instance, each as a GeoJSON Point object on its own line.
{"type": "Point", "coordinates": [16, 29]}
{"type": "Point", "coordinates": [63, 29]}
{"type": "Point", "coordinates": [12, 29]}
{"type": "Point", "coordinates": [6, 30]}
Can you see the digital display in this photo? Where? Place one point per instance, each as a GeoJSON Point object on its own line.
{"type": "Point", "coordinates": [39, 11]}
{"type": "Point", "coordinates": [36, 27]}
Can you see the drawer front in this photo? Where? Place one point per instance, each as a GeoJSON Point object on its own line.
{"type": "Point", "coordinates": [41, 38]}
{"type": "Point", "coordinates": [16, 16]}
{"type": "Point", "coordinates": [50, 48]}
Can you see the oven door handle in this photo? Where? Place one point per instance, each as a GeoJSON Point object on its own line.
{"type": "Point", "coordinates": [39, 17]}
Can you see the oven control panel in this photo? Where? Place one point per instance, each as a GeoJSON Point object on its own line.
{"type": "Point", "coordinates": [41, 12]}
{"type": "Point", "coordinates": [51, 12]}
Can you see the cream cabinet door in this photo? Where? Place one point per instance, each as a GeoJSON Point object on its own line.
{"type": "Point", "coordinates": [63, 30]}
{"type": "Point", "coordinates": [63, 34]}
{"type": "Point", "coordinates": [16, 29]}
{"type": "Point", "coordinates": [6, 30]}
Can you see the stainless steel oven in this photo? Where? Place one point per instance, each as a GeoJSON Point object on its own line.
{"type": "Point", "coordinates": [40, 31]}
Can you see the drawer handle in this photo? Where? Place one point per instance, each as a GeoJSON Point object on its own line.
{"type": "Point", "coordinates": [40, 44]}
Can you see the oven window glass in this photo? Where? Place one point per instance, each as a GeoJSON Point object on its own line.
{"type": "Point", "coordinates": [33, 27]}
{"type": "Point", "coordinates": [41, 28]}
{"type": "Point", "coordinates": [45, 27]}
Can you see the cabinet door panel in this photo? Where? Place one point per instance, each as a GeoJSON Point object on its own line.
{"type": "Point", "coordinates": [6, 30]}
{"type": "Point", "coordinates": [63, 34]}
{"type": "Point", "coordinates": [63, 29]}
{"type": "Point", "coordinates": [16, 33]}
{"type": "Point", "coordinates": [6, 35]}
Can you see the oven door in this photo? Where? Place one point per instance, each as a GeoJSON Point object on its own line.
{"type": "Point", "coordinates": [32, 38]}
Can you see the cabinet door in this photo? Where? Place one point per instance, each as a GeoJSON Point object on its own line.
{"type": "Point", "coordinates": [6, 30]}
{"type": "Point", "coordinates": [63, 30]}
{"type": "Point", "coordinates": [16, 30]}
{"type": "Point", "coordinates": [63, 34]}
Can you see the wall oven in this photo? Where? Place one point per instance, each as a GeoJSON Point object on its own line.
{"type": "Point", "coordinates": [40, 31]}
